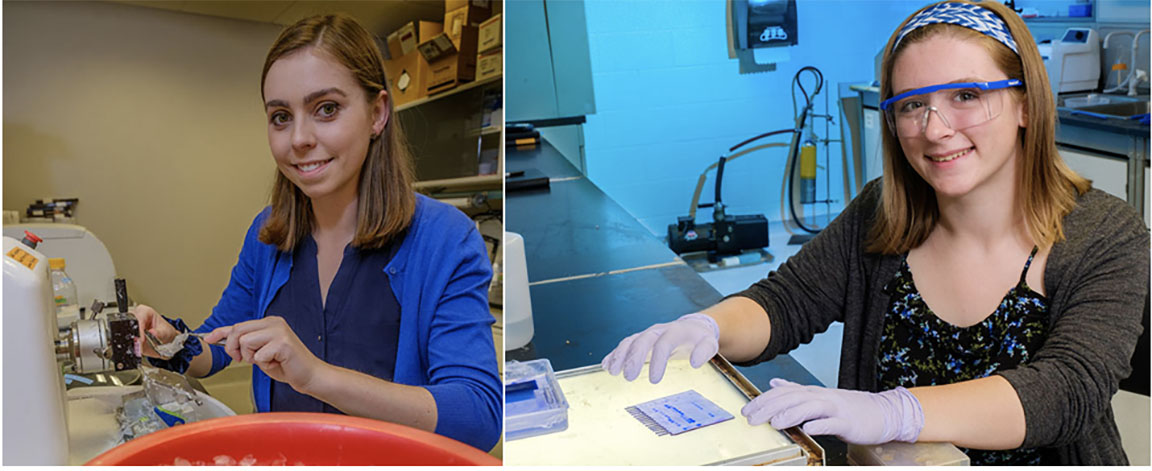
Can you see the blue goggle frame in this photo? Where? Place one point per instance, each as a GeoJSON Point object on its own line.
{"type": "Point", "coordinates": [884, 105]}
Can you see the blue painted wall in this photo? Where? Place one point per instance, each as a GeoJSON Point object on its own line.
{"type": "Point", "coordinates": [669, 101]}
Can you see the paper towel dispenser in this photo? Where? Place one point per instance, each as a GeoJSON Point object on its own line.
{"type": "Point", "coordinates": [756, 28]}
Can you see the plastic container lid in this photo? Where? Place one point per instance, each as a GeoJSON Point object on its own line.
{"type": "Point", "coordinates": [534, 403]}
{"type": "Point", "coordinates": [56, 263]}
{"type": "Point", "coordinates": [295, 438]}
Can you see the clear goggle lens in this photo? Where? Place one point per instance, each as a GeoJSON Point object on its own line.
{"type": "Point", "coordinates": [957, 106]}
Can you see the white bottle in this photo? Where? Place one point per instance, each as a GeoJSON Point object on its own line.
{"type": "Point", "coordinates": [518, 328]}
{"type": "Point", "coordinates": [64, 293]}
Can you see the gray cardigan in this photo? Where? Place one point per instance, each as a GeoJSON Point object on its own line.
{"type": "Point", "coordinates": [1096, 282]}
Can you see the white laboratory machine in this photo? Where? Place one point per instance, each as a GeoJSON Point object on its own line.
{"type": "Point", "coordinates": [1073, 61]}
{"type": "Point", "coordinates": [35, 431]}
{"type": "Point", "coordinates": [89, 263]}
{"type": "Point", "coordinates": [34, 407]}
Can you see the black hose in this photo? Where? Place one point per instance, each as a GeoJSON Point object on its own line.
{"type": "Point", "coordinates": [719, 177]}
{"type": "Point", "coordinates": [794, 151]}
{"type": "Point", "coordinates": [772, 133]}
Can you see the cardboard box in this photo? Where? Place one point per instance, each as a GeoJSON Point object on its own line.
{"type": "Point", "coordinates": [450, 5]}
{"type": "Point", "coordinates": [406, 78]}
{"type": "Point", "coordinates": [412, 34]}
{"type": "Point", "coordinates": [393, 46]}
{"type": "Point", "coordinates": [437, 47]}
{"type": "Point", "coordinates": [489, 64]}
{"type": "Point", "coordinates": [456, 19]}
{"type": "Point", "coordinates": [451, 68]}
{"type": "Point", "coordinates": [491, 35]}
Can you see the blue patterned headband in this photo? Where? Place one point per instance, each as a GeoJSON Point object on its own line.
{"type": "Point", "coordinates": [970, 16]}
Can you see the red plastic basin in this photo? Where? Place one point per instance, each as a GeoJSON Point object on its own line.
{"type": "Point", "coordinates": [297, 438]}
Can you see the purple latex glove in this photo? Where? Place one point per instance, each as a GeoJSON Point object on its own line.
{"type": "Point", "coordinates": [696, 331]}
{"type": "Point", "coordinates": [858, 417]}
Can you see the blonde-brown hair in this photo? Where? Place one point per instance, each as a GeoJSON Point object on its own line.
{"type": "Point", "coordinates": [386, 200]}
{"type": "Point", "coordinates": [1047, 187]}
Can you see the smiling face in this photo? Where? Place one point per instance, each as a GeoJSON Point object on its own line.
{"type": "Point", "coordinates": [955, 162]}
{"type": "Point", "coordinates": [320, 123]}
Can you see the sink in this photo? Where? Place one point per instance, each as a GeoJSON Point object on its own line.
{"type": "Point", "coordinates": [1121, 110]}
{"type": "Point", "coordinates": [1070, 101]}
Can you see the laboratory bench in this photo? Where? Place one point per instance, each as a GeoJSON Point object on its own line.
{"type": "Point", "coordinates": [596, 275]}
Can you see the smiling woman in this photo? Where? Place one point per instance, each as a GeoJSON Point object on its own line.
{"type": "Point", "coordinates": [352, 294]}
{"type": "Point", "coordinates": [990, 297]}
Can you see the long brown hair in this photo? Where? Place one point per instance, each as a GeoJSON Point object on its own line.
{"type": "Point", "coordinates": [386, 200]}
{"type": "Point", "coordinates": [1047, 187]}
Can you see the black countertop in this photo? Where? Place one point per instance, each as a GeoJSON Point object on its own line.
{"type": "Point", "coordinates": [1114, 125]}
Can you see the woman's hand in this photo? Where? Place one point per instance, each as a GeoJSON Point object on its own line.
{"type": "Point", "coordinates": [151, 321]}
{"type": "Point", "coordinates": [858, 417]}
{"type": "Point", "coordinates": [696, 331]}
{"type": "Point", "coordinates": [271, 345]}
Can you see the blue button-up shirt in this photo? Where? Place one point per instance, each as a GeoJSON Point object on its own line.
{"type": "Point", "coordinates": [357, 328]}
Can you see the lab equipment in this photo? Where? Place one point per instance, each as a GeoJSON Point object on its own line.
{"type": "Point", "coordinates": [54, 210]}
{"type": "Point", "coordinates": [89, 262]}
{"type": "Point", "coordinates": [678, 413]}
{"type": "Point", "coordinates": [94, 426]}
{"type": "Point", "coordinates": [35, 429]}
{"type": "Point", "coordinates": [808, 172]}
{"type": "Point", "coordinates": [730, 234]}
{"type": "Point", "coordinates": [109, 343]}
{"type": "Point", "coordinates": [1073, 61]}
{"type": "Point", "coordinates": [63, 292]}
{"type": "Point", "coordinates": [534, 402]}
{"type": "Point", "coordinates": [518, 327]}
{"type": "Point", "coordinates": [599, 433]}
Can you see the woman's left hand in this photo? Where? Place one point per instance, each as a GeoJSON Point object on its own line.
{"type": "Point", "coordinates": [858, 417]}
{"type": "Point", "coordinates": [270, 344]}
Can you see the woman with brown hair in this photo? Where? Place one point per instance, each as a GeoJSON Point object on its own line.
{"type": "Point", "coordinates": [990, 298]}
{"type": "Point", "coordinates": [352, 294]}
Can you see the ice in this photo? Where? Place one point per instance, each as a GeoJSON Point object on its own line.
{"type": "Point", "coordinates": [227, 460]}
{"type": "Point", "coordinates": [224, 460]}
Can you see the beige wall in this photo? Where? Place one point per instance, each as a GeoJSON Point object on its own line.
{"type": "Point", "coordinates": [153, 119]}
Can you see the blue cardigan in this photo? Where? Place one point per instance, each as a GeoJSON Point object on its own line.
{"type": "Point", "coordinates": [440, 276]}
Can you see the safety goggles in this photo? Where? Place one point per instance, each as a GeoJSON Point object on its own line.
{"type": "Point", "coordinates": [958, 105]}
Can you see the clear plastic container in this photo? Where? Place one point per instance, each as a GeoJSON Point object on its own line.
{"type": "Point", "coordinates": [534, 403]}
{"type": "Point", "coordinates": [63, 292]}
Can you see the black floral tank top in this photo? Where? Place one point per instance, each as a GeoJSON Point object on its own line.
{"type": "Point", "coordinates": [919, 349]}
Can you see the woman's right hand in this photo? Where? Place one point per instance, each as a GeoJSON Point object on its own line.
{"type": "Point", "coordinates": [151, 321]}
{"type": "Point", "coordinates": [696, 331]}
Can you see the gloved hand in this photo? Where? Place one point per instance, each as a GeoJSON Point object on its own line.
{"type": "Point", "coordinates": [696, 331]}
{"type": "Point", "coordinates": [858, 417]}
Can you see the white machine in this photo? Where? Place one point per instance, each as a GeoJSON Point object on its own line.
{"type": "Point", "coordinates": [89, 263]}
{"type": "Point", "coordinates": [1073, 62]}
{"type": "Point", "coordinates": [35, 431]}
{"type": "Point", "coordinates": [35, 427]}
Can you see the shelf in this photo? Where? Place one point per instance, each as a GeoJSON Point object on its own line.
{"type": "Point", "coordinates": [476, 182]}
{"type": "Point", "coordinates": [448, 93]}
{"type": "Point", "coordinates": [488, 131]}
